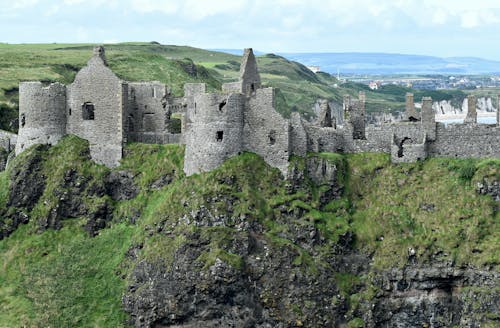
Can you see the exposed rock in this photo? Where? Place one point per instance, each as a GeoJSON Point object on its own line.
{"type": "Point", "coordinates": [163, 181]}
{"type": "Point", "coordinates": [10, 220]}
{"type": "Point", "coordinates": [433, 296]}
{"type": "Point", "coordinates": [261, 287]}
{"type": "Point", "coordinates": [120, 185]}
{"type": "Point", "coordinates": [27, 181]}
{"type": "Point", "coordinates": [489, 187]}
{"type": "Point", "coordinates": [98, 218]}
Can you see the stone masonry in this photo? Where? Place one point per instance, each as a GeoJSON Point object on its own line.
{"type": "Point", "coordinates": [109, 112]}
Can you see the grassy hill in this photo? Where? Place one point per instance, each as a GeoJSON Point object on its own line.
{"type": "Point", "coordinates": [66, 278]}
{"type": "Point", "coordinates": [173, 65]}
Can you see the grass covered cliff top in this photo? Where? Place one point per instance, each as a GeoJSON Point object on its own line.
{"type": "Point", "coordinates": [67, 278]}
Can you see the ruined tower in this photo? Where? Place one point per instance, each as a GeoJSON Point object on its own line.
{"type": "Point", "coordinates": [96, 106]}
{"type": "Point", "coordinates": [249, 75]}
{"type": "Point", "coordinates": [354, 112]}
{"type": "Point", "coordinates": [471, 110]}
{"type": "Point", "coordinates": [410, 112]}
{"type": "Point", "coordinates": [42, 114]}
{"type": "Point", "coordinates": [325, 119]}
{"type": "Point", "coordinates": [214, 132]}
{"type": "Point", "coordinates": [428, 119]}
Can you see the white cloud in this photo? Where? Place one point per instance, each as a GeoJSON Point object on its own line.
{"type": "Point", "coordinates": [148, 6]}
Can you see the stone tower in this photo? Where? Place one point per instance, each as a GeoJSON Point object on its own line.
{"type": "Point", "coordinates": [214, 132]}
{"type": "Point", "coordinates": [410, 112]}
{"type": "Point", "coordinates": [325, 119]}
{"type": "Point", "coordinates": [471, 110]}
{"type": "Point", "coordinates": [249, 75]}
{"type": "Point", "coordinates": [428, 119]}
{"type": "Point", "coordinates": [97, 102]}
{"type": "Point", "coordinates": [42, 114]}
{"type": "Point", "coordinates": [354, 112]}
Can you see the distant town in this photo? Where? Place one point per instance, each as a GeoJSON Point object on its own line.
{"type": "Point", "coordinates": [431, 82]}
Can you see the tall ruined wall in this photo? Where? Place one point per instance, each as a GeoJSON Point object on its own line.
{"type": "Point", "coordinates": [266, 132]}
{"type": "Point", "coordinates": [145, 110]}
{"type": "Point", "coordinates": [466, 140]}
{"type": "Point", "coordinates": [377, 139]}
{"type": "Point", "coordinates": [42, 114]}
{"type": "Point", "coordinates": [298, 135]}
{"type": "Point", "coordinates": [97, 100]}
{"type": "Point", "coordinates": [320, 139]}
{"type": "Point", "coordinates": [249, 74]}
{"type": "Point", "coordinates": [214, 131]}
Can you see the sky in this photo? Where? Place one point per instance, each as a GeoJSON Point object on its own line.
{"type": "Point", "coordinates": [444, 28]}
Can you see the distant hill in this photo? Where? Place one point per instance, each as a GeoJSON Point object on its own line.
{"type": "Point", "coordinates": [385, 64]}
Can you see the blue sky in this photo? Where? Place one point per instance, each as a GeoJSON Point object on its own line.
{"type": "Point", "coordinates": [432, 27]}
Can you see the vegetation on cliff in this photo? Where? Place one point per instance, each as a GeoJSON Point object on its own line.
{"type": "Point", "coordinates": [312, 246]}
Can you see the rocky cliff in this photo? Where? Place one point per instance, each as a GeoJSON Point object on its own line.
{"type": "Point", "coordinates": [445, 107]}
{"type": "Point", "coordinates": [347, 241]}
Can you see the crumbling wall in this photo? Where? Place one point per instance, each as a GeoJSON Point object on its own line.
{"type": "Point", "coordinates": [377, 139]}
{"type": "Point", "coordinates": [266, 132]}
{"type": "Point", "coordinates": [298, 136]}
{"type": "Point", "coordinates": [466, 140]}
{"type": "Point", "coordinates": [249, 74]}
{"type": "Point", "coordinates": [354, 113]}
{"type": "Point", "coordinates": [97, 101]}
{"type": "Point", "coordinates": [320, 139]}
{"type": "Point", "coordinates": [145, 111]}
{"type": "Point", "coordinates": [214, 131]}
{"type": "Point", "coordinates": [42, 114]}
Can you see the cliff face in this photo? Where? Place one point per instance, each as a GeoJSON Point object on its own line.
{"type": "Point", "coordinates": [484, 105]}
{"type": "Point", "coordinates": [347, 241]}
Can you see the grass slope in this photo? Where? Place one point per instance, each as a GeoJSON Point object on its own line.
{"type": "Point", "coordinates": [66, 278]}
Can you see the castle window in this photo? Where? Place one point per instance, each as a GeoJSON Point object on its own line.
{"type": "Point", "coordinates": [222, 105]}
{"type": "Point", "coordinates": [70, 111]}
{"type": "Point", "coordinates": [23, 120]}
{"type": "Point", "coordinates": [88, 111]}
{"type": "Point", "coordinates": [252, 87]}
{"type": "Point", "coordinates": [272, 137]}
{"type": "Point", "coordinates": [219, 136]}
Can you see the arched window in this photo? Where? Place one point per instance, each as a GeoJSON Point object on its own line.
{"type": "Point", "coordinates": [88, 111]}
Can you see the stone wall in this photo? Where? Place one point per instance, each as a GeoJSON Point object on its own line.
{"type": "Point", "coordinates": [321, 139]}
{"type": "Point", "coordinates": [466, 140]}
{"type": "Point", "coordinates": [214, 131]}
{"type": "Point", "coordinates": [298, 136]}
{"type": "Point", "coordinates": [249, 74]}
{"type": "Point", "coordinates": [145, 111]}
{"type": "Point", "coordinates": [156, 137]}
{"type": "Point", "coordinates": [266, 132]}
{"type": "Point", "coordinates": [42, 114]}
{"type": "Point", "coordinates": [98, 91]}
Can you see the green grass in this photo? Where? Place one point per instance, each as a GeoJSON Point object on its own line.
{"type": "Point", "coordinates": [66, 278]}
{"type": "Point", "coordinates": [63, 278]}
{"type": "Point", "coordinates": [431, 206]}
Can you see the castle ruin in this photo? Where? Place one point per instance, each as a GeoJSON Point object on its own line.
{"type": "Point", "coordinates": [109, 112]}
